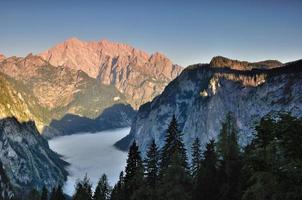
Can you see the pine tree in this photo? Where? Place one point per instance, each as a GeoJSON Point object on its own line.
{"type": "Point", "coordinates": [152, 172]}
{"type": "Point", "coordinates": [134, 172]}
{"type": "Point", "coordinates": [206, 184]}
{"type": "Point", "coordinates": [273, 160]}
{"type": "Point", "coordinates": [44, 194]}
{"type": "Point", "coordinates": [83, 190]}
{"type": "Point", "coordinates": [118, 190]}
{"type": "Point", "coordinates": [53, 194]}
{"type": "Point", "coordinates": [229, 153]}
{"type": "Point", "coordinates": [175, 182]}
{"type": "Point", "coordinates": [59, 193]}
{"type": "Point", "coordinates": [196, 157]}
{"type": "Point", "coordinates": [33, 195]}
{"type": "Point", "coordinates": [102, 190]}
{"type": "Point", "coordinates": [173, 145]}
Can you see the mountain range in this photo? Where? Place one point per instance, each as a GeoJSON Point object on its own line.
{"type": "Point", "coordinates": [83, 79]}
{"type": "Point", "coordinates": [202, 95]}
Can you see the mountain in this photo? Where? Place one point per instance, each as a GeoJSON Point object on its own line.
{"type": "Point", "coordinates": [16, 100]}
{"type": "Point", "coordinates": [116, 116]}
{"type": "Point", "coordinates": [45, 93]}
{"type": "Point", "coordinates": [27, 158]}
{"type": "Point", "coordinates": [137, 75]}
{"type": "Point", "coordinates": [203, 94]}
{"type": "Point", "coordinates": [222, 62]}
{"type": "Point", "coordinates": [2, 57]}
{"type": "Point", "coordinates": [6, 189]}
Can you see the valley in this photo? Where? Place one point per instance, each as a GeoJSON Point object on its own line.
{"type": "Point", "coordinates": [91, 154]}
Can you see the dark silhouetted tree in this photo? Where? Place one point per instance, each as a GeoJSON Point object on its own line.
{"type": "Point", "coordinates": [229, 153]}
{"type": "Point", "coordinates": [102, 190]}
{"type": "Point", "coordinates": [175, 181]}
{"type": "Point", "coordinates": [134, 172]}
{"type": "Point", "coordinates": [83, 190]}
{"type": "Point", "coordinates": [44, 194]}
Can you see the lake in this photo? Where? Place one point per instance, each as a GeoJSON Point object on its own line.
{"type": "Point", "coordinates": [91, 153]}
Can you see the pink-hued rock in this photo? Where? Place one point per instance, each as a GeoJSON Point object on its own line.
{"type": "Point", "coordinates": [2, 57]}
{"type": "Point", "coordinates": [135, 73]}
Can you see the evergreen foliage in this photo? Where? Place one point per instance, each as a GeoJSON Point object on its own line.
{"type": "Point", "coordinates": [44, 194]}
{"type": "Point", "coordinates": [83, 190]}
{"type": "Point", "coordinates": [269, 168]}
{"type": "Point", "coordinates": [102, 190]}
{"type": "Point", "coordinates": [175, 181]}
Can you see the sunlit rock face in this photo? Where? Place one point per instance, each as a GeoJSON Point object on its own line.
{"type": "Point", "coordinates": [33, 89]}
{"type": "Point", "coordinates": [223, 62]}
{"type": "Point", "coordinates": [2, 57]}
{"type": "Point", "coordinates": [26, 157]}
{"type": "Point", "coordinates": [202, 96]}
{"type": "Point", "coordinates": [133, 72]}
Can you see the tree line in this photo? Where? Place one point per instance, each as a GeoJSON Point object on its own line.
{"type": "Point", "coordinates": [269, 168]}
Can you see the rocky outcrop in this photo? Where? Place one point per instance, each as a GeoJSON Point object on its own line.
{"type": "Point", "coordinates": [202, 95]}
{"type": "Point", "coordinates": [45, 92]}
{"type": "Point", "coordinates": [16, 100]}
{"type": "Point", "coordinates": [221, 62]}
{"type": "Point", "coordinates": [2, 57]}
{"type": "Point", "coordinates": [139, 76]}
{"type": "Point", "coordinates": [6, 189]}
{"type": "Point", "coordinates": [27, 158]}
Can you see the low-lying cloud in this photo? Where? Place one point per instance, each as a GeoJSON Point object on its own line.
{"type": "Point", "coordinates": [93, 154]}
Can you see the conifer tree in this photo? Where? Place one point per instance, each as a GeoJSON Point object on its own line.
{"type": "Point", "coordinates": [196, 157]}
{"type": "Point", "coordinates": [206, 184]}
{"type": "Point", "coordinates": [229, 154]}
{"type": "Point", "coordinates": [152, 172]}
{"type": "Point", "coordinates": [59, 193]}
{"type": "Point", "coordinates": [134, 172]}
{"type": "Point", "coordinates": [118, 190]}
{"type": "Point", "coordinates": [44, 194]}
{"type": "Point", "coordinates": [33, 195]}
{"type": "Point", "coordinates": [83, 190]}
{"type": "Point", "coordinates": [53, 194]}
{"type": "Point", "coordinates": [175, 182]}
{"type": "Point", "coordinates": [173, 145]}
{"type": "Point", "coordinates": [102, 190]}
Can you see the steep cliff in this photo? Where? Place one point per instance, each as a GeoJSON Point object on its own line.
{"type": "Point", "coordinates": [203, 94]}
{"type": "Point", "coordinates": [139, 76]}
{"type": "Point", "coordinates": [27, 158]}
{"type": "Point", "coordinates": [42, 92]}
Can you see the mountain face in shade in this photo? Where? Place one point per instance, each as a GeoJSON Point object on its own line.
{"type": "Point", "coordinates": [137, 75]}
{"type": "Point", "coordinates": [6, 189]}
{"type": "Point", "coordinates": [203, 94]}
{"type": "Point", "coordinates": [27, 158]}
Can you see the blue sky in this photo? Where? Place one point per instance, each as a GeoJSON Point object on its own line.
{"type": "Point", "coordinates": [186, 31]}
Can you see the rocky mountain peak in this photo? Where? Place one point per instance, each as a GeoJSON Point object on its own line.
{"type": "Point", "coordinates": [132, 71]}
{"type": "Point", "coordinates": [223, 62]}
{"type": "Point", "coordinates": [2, 57]}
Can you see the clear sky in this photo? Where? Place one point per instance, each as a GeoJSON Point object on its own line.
{"type": "Point", "coordinates": [186, 31]}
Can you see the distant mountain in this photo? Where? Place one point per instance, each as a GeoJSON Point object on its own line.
{"type": "Point", "coordinates": [34, 89]}
{"type": "Point", "coordinates": [139, 76]}
{"type": "Point", "coordinates": [26, 157]}
{"type": "Point", "coordinates": [2, 57]}
{"type": "Point", "coordinates": [81, 79]}
{"type": "Point", "coordinates": [223, 62]}
{"type": "Point", "coordinates": [204, 93]}
{"type": "Point", "coordinates": [117, 116]}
